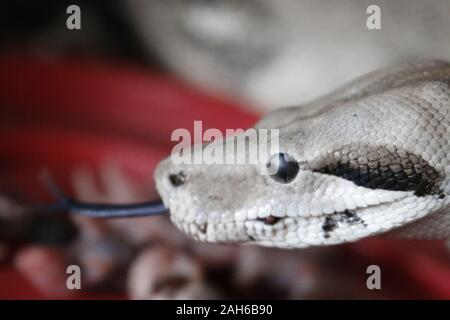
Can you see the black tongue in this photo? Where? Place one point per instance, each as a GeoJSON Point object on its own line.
{"type": "Point", "coordinates": [98, 210]}
{"type": "Point", "coordinates": [103, 210]}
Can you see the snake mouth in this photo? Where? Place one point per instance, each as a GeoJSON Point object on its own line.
{"type": "Point", "coordinates": [330, 221]}
{"type": "Point", "coordinates": [349, 215]}
{"type": "Point", "coordinates": [270, 220]}
{"type": "Point", "coordinates": [328, 228]}
{"type": "Point", "coordinates": [301, 230]}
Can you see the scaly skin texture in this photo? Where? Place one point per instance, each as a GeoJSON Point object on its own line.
{"type": "Point", "coordinates": [373, 158]}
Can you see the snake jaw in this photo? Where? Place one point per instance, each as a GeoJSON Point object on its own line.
{"type": "Point", "coordinates": [346, 226]}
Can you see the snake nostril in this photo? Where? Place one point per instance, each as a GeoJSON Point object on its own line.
{"type": "Point", "coordinates": [177, 179]}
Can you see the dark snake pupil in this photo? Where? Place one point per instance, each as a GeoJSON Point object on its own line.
{"type": "Point", "coordinates": [286, 167]}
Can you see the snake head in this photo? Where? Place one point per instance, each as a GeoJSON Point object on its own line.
{"type": "Point", "coordinates": [371, 159]}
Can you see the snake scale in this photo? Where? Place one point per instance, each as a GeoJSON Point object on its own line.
{"type": "Point", "coordinates": [370, 158]}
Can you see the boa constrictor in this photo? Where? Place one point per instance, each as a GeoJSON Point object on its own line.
{"type": "Point", "coordinates": [370, 158]}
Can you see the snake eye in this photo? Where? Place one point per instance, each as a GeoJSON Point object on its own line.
{"type": "Point", "coordinates": [284, 167]}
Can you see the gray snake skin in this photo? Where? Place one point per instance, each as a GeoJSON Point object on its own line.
{"type": "Point", "coordinates": [370, 158]}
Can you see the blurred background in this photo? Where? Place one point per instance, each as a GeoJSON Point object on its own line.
{"type": "Point", "coordinates": [95, 107]}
